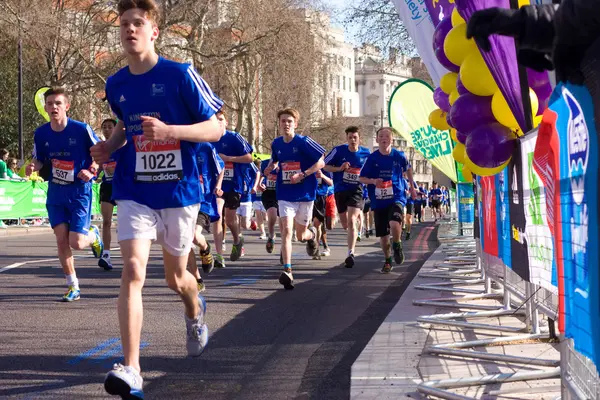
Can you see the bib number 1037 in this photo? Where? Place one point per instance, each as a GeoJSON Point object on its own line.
{"type": "Point", "coordinates": [157, 160]}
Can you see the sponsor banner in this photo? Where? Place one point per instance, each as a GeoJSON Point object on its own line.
{"type": "Point", "coordinates": [28, 199]}
{"type": "Point", "coordinates": [408, 111]}
{"type": "Point", "coordinates": [466, 203]}
{"type": "Point", "coordinates": [490, 226]}
{"type": "Point", "coordinates": [502, 207]}
{"type": "Point", "coordinates": [476, 197]}
{"type": "Point", "coordinates": [518, 241]}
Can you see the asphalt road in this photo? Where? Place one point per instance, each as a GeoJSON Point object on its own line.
{"type": "Point", "coordinates": [265, 342]}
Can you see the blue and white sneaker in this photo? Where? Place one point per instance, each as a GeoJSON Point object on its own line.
{"type": "Point", "coordinates": [197, 331]}
{"type": "Point", "coordinates": [71, 295]}
{"type": "Point", "coordinates": [125, 382]}
{"type": "Point", "coordinates": [97, 245]}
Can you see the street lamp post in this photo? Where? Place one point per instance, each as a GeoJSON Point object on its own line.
{"type": "Point", "coordinates": [20, 93]}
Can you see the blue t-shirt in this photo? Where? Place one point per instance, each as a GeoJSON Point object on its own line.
{"type": "Point", "coordinates": [270, 180]}
{"type": "Point", "coordinates": [390, 168]}
{"type": "Point", "coordinates": [69, 152]}
{"type": "Point", "coordinates": [232, 144]}
{"type": "Point", "coordinates": [159, 174]}
{"type": "Point", "coordinates": [248, 172]}
{"type": "Point", "coordinates": [210, 166]}
{"type": "Point", "coordinates": [435, 194]}
{"type": "Point", "coordinates": [295, 157]}
{"type": "Point", "coordinates": [322, 187]}
{"type": "Point", "coordinates": [346, 180]}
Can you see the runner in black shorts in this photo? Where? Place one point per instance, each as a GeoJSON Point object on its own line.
{"type": "Point", "coordinates": [269, 200]}
{"type": "Point", "coordinates": [107, 204]}
{"type": "Point", "coordinates": [324, 182]}
{"type": "Point", "coordinates": [436, 201]}
{"type": "Point", "coordinates": [345, 162]}
{"type": "Point", "coordinates": [410, 209]}
{"type": "Point", "coordinates": [367, 213]}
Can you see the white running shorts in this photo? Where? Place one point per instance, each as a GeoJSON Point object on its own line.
{"type": "Point", "coordinates": [258, 206]}
{"type": "Point", "coordinates": [245, 210]}
{"type": "Point", "coordinates": [301, 211]}
{"type": "Point", "coordinates": [172, 228]}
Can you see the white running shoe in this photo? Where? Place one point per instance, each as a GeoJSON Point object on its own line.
{"type": "Point", "coordinates": [263, 237]}
{"type": "Point", "coordinates": [125, 382]}
{"type": "Point", "coordinates": [326, 252]}
{"type": "Point", "coordinates": [197, 331]}
{"type": "Point", "coordinates": [224, 246]}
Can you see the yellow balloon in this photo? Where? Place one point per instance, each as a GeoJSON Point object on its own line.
{"type": "Point", "coordinates": [453, 134]}
{"type": "Point", "coordinates": [437, 119]}
{"type": "Point", "coordinates": [476, 77]}
{"type": "Point", "coordinates": [503, 113]}
{"type": "Point", "coordinates": [522, 3]}
{"type": "Point", "coordinates": [448, 82]}
{"type": "Point", "coordinates": [453, 96]}
{"type": "Point", "coordinates": [467, 174]}
{"type": "Point", "coordinates": [456, 45]}
{"type": "Point", "coordinates": [456, 18]}
{"type": "Point", "coordinates": [459, 153]}
{"type": "Point", "coordinates": [477, 170]}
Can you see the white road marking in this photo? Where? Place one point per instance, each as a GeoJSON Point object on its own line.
{"type": "Point", "coordinates": [20, 264]}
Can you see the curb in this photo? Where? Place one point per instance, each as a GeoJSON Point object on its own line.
{"type": "Point", "coordinates": [23, 231]}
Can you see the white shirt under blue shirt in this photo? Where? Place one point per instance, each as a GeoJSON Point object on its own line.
{"type": "Point", "coordinates": [159, 174]}
{"type": "Point", "coordinates": [295, 157]}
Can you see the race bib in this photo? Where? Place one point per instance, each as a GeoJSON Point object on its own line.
{"type": "Point", "coordinates": [384, 190]}
{"type": "Point", "coordinates": [228, 174]}
{"type": "Point", "coordinates": [289, 169]}
{"type": "Point", "coordinates": [157, 160]}
{"type": "Point", "coordinates": [271, 182]}
{"type": "Point", "coordinates": [109, 170]}
{"type": "Point", "coordinates": [351, 175]}
{"type": "Point", "coordinates": [63, 172]}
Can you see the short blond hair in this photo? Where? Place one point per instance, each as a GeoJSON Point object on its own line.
{"type": "Point", "coordinates": [149, 6]}
{"type": "Point", "coordinates": [289, 111]}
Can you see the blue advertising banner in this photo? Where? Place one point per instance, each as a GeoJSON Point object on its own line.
{"type": "Point", "coordinates": [466, 203]}
{"type": "Point", "coordinates": [503, 207]}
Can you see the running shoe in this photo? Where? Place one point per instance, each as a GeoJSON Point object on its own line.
{"type": "Point", "coordinates": [236, 250]}
{"type": "Point", "coordinates": [287, 279]}
{"type": "Point", "coordinates": [326, 252]}
{"type": "Point", "coordinates": [387, 268]}
{"type": "Point", "coordinates": [263, 236]}
{"type": "Point", "coordinates": [201, 285]}
{"type": "Point", "coordinates": [125, 382]}
{"type": "Point", "coordinates": [197, 331]}
{"type": "Point", "coordinates": [398, 253]}
{"type": "Point", "coordinates": [349, 262]}
{"type": "Point", "coordinates": [243, 252]}
{"type": "Point", "coordinates": [97, 245]}
{"type": "Point", "coordinates": [407, 236]}
{"type": "Point", "coordinates": [219, 261]}
{"type": "Point", "coordinates": [358, 239]}
{"type": "Point", "coordinates": [224, 246]}
{"type": "Point", "coordinates": [370, 232]}
{"type": "Point", "coordinates": [253, 225]}
{"type": "Point", "coordinates": [71, 295]}
{"type": "Point", "coordinates": [270, 245]}
{"type": "Point", "coordinates": [312, 247]}
{"type": "Point", "coordinates": [105, 263]}
{"type": "Point", "coordinates": [208, 262]}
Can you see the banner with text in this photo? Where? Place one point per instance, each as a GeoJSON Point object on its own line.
{"type": "Point", "coordinates": [408, 112]}
{"type": "Point", "coordinates": [466, 203]}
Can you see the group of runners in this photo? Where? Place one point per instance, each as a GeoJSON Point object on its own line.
{"type": "Point", "coordinates": [176, 173]}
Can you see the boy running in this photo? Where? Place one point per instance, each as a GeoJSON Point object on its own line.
{"type": "Point", "coordinates": [299, 158]}
{"type": "Point", "coordinates": [269, 201]}
{"type": "Point", "coordinates": [435, 194]}
{"type": "Point", "coordinates": [107, 204]}
{"type": "Point", "coordinates": [410, 208]}
{"type": "Point", "coordinates": [345, 161]}
{"type": "Point", "coordinates": [257, 205]}
{"type": "Point", "coordinates": [65, 144]}
{"type": "Point", "coordinates": [324, 182]}
{"type": "Point", "coordinates": [383, 172]}
{"type": "Point", "coordinates": [235, 151]}
{"type": "Point", "coordinates": [164, 108]}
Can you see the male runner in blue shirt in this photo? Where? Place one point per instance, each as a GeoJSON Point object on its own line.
{"type": "Point", "coordinates": [65, 144]}
{"type": "Point", "coordinates": [164, 108]}
{"type": "Point", "coordinates": [383, 172]}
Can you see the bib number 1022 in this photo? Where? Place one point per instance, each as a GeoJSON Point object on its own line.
{"type": "Point", "coordinates": [158, 161]}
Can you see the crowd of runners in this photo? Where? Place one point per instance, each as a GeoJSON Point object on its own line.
{"type": "Point", "coordinates": [177, 174]}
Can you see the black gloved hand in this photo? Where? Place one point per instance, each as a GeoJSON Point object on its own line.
{"type": "Point", "coordinates": [490, 21]}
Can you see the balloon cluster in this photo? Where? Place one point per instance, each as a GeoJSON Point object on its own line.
{"type": "Point", "coordinates": [471, 104]}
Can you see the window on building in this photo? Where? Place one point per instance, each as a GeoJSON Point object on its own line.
{"type": "Point", "coordinates": [350, 106]}
{"type": "Point", "coordinates": [387, 87]}
{"type": "Point", "coordinates": [331, 80]}
{"type": "Point", "coordinates": [344, 79]}
{"type": "Point", "coordinates": [338, 82]}
{"type": "Point", "coordinates": [373, 85]}
{"type": "Point", "coordinates": [344, 107]}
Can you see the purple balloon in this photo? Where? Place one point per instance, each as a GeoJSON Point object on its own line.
{"type": "Point", "coordinates": [470, 111]}
{"type": "Point", "coordinates": [441, 100]}
{"type": "Point", "coordinates": [441, 57]}
{"type": "Point", "coordinates": [540, 83]}
{"type": "Point", "coordinates": [460, 87]}
{"type": "Point", "coordinates": [441, 31]}
{"type": "Point", "coordinates": [491, 145]}
{"type": "Point", "coordinates": [462, 137]}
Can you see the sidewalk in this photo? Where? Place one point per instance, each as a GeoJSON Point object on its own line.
{"type": "Point", "coordinates": [393, 363]}
{"type": "Point", "coordinates": [21, 230]}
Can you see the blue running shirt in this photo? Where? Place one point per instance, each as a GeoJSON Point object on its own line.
{"type": "Point", "coordinates": [159, 174]}
{"type": "Point", "coordinates": [346, 180]}
{"type": "Point", "coordinates": [390, 168]}
{"type": "Point", "coordinates": [270, 180]}
{"type": "Point", "coordinates": [436, 194]}
{"type": "Point", "coordinates": [69, 152]}
{"type": "Point", "coordinates": [232, 144]}
{"type": "Point", "coordinates": [295, 157]}
{"type": "Point", "coordinates": [322, 187]}
{"type": "Point", "coordinates": [249, 179]}
{"type": "Point", "coordinates": [210, 166]}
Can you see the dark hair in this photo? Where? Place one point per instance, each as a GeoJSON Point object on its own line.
{"type": "Point", "coordinates": [434, 183]}
{"type": "Point", "coordinates": [352, 129]}
{"type": "Point", "coordinates": [54, 92]}
{"type": "Point", "coordinates": [114, 122]}
{"type": "Point", "coordinates": [149, 6]}
{"type": "Point", "coordinates": [3, 152]}
{"type": "Point", "coordinates": [289, 111]}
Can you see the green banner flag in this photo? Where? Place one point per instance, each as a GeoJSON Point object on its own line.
{"type": "Point", "coordinates": [28, 199]}
{"type": "Point", "coordinates": [40, 102]}
{"type": "Point", "coordinates": [408, 112]}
